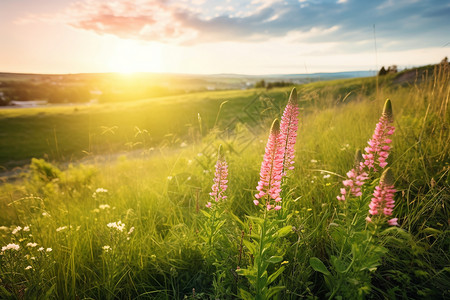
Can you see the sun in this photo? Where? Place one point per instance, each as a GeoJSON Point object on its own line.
{"type": "Point", "coordinates": [129, 57]}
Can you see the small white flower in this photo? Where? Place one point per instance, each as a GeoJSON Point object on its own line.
{"type": "Point", "coordinates": [49, 249]}
{"type": "Point", "coordinates": [61, 228]}
{"type": "Point", "coordinates": [33, 258]}
{"type": "Point", "coordinates": [4, 228]}
{"type": "Point", "coordinates": [117, 225]}
{"type": "Point", "coordinates": [101, 190]}
{"type": "Point", "coordinates": [169, 177]}
{"type": "Point", "coordinates": [131, 230]}
{"type": "Point", "coordinates": [326, 176]}
{"type": "Point", "coordinates": [32, 245]}
{"type": "Point", "coordinates": [26, 228]}
{"type": "Point", "coordinates": [45, 214]}
{"type": "Point", "coordinates": [106, 248]}
{"type": "Point", "coordinates": [16, 230]}
{"type": "Point", "coordinates": [11, 247]}
{"type": "Point", "coordinates": [104, 206]}
{"type": "Point", "coordinates": [41, 249]}
{"type": "Point", "coordinates": [313, 161]}
{"type": "Point", "coordinates": [29, 267]}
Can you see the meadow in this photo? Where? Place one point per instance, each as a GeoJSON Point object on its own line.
{"type": "Point", "coordinates": [109, 201]}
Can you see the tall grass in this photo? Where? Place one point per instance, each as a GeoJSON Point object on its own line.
{"type": "Point", "coordinates": [161, 192]}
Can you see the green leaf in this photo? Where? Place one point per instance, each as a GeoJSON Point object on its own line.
{"type": "Point", "coordinates": [283, 231]}
{"type": "Point", "coordinates": [256, 219]}
{"type": "Point", "coordinates": [205, 213]}
{"type": "Point", "coordinates": [275, 259]}
{"type": "Point", "coordinates": [250, 246]}
{"type": "Point", "coordinates": [250, 274]}
{"type": "Point", "coordinates": [274, 290]}
{"type": "Point", "coordinates": [275, 274]}
{"type": "Point", "coordinates": [338, 264]}
{"type": "Point", "coordinates": [245, 295]}
{"type": "Point", "coordinates": [318, 266]}
{"type": "Point", "coordinates": [236, 218]}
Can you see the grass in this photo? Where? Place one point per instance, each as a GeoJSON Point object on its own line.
{"type": "Point", "coordinates": [161, 193]}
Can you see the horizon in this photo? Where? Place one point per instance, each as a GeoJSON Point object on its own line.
{"type": "Point", "coordinates": [257, 38]}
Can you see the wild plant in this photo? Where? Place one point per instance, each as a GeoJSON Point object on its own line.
{"type": "Point", "coordinates": [268, 233]}
{"type": "Point", "coordinates": [356, 251]}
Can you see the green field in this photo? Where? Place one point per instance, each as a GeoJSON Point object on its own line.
{"type": "Point", "coordinates": [155, 159]}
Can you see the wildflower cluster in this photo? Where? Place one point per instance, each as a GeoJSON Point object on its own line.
{"type": "Point", "coordinates": [378, 150]}
{"type": "Point", "coordinates": [382, 202]}
{"type": "Point", "coordinates": [271, 169]}
{"type": "Point", "coordinates": [375, 156]}
{"type": "Point", "coordinates": [220, 181]}
{"type": "Point", "coordinates": [288, 130]}
{"type": "Point", "coordinates": [356, 178]}
{"type": "Point", "coordinates": [117, 225]}
{"type": "Point", "coordinates": [99, 191]}
{"type": "Point", "coordinates": [279, 155]}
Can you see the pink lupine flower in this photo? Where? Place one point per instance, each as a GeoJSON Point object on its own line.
{"type": "Point", "coordinates": [382, 202]}
{"type": "Point", "coordinates": [220, 180]}
{"type": "Point", "coordinates": [271, 168]}
{"type": "Point", "coordinates": [288, 130]}
{"type": "Point", "coordinates": [377, 151]}
{"type": "Point", "coordinates": [393, 222]}
{"type": "Point", "coordinates": [356, 178]}
{"type": "Point", "coordinates": [208, 205]}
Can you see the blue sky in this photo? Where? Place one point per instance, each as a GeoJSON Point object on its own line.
{"type": "Point", "coordinates": [199, 36]}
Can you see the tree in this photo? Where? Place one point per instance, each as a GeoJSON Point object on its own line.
{"type": "Point", "coordinates": [382, 71]}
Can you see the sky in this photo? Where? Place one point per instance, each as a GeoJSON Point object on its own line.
{"type": "Point", "coordinates": [228, 36]}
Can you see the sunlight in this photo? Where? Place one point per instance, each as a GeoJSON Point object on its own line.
{"type": "Point", "coordinates": [129, 57]}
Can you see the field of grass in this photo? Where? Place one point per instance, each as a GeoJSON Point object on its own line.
{"type": "Point", "coordinates": [150, 165]}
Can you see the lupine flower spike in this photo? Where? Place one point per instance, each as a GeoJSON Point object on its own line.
{"type": "Point", "coordinates": [288, 130]}
{"type": "Point", "coordinates": [220, 180]}
{"type": "Point", "coordinates": [383, 198]}
{"type": "Point", "coordinates": [378, 150]}
{"type": "Point", "coordinates": [269, 185]}
{"type": "Point", "coordinates": [356, 178]}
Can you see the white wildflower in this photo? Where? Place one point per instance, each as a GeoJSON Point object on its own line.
{"type": "Point", "coordinates": [326, 176]}
{"type": "Point", "coordinates": [26, 228]}
{"type": "Point", "coordinates": [32, 245]}
{"type": "Point", "coordinates": [101, 190]}
{"type": "Point", "coordinates": [45, 214]}
{"type": "Point", "coordinates": [117, 225]}
{"type": "Point", "coordinates": [16, 230]}
{"type": "Point", "coordinates": [61, 228]}
{"type": "Point", "coordinates": [104, 206]}
{"type": "Point", "coordinates": [49, 249]}
{"type": "Point", "coordinates": [106, 248]}
{"type": "Point", "coordinates": [28, 268]}
{"type": "Point", "coordinates": [131, 230]}
{"type": "Point", "coordinates": [313, 161]}
{"type": "Point", "coordinates": [41, 249]}
{"type": "Point", "coordinates": [11, 247]}
{"type": "Point", "coordinates": [4, 228]}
